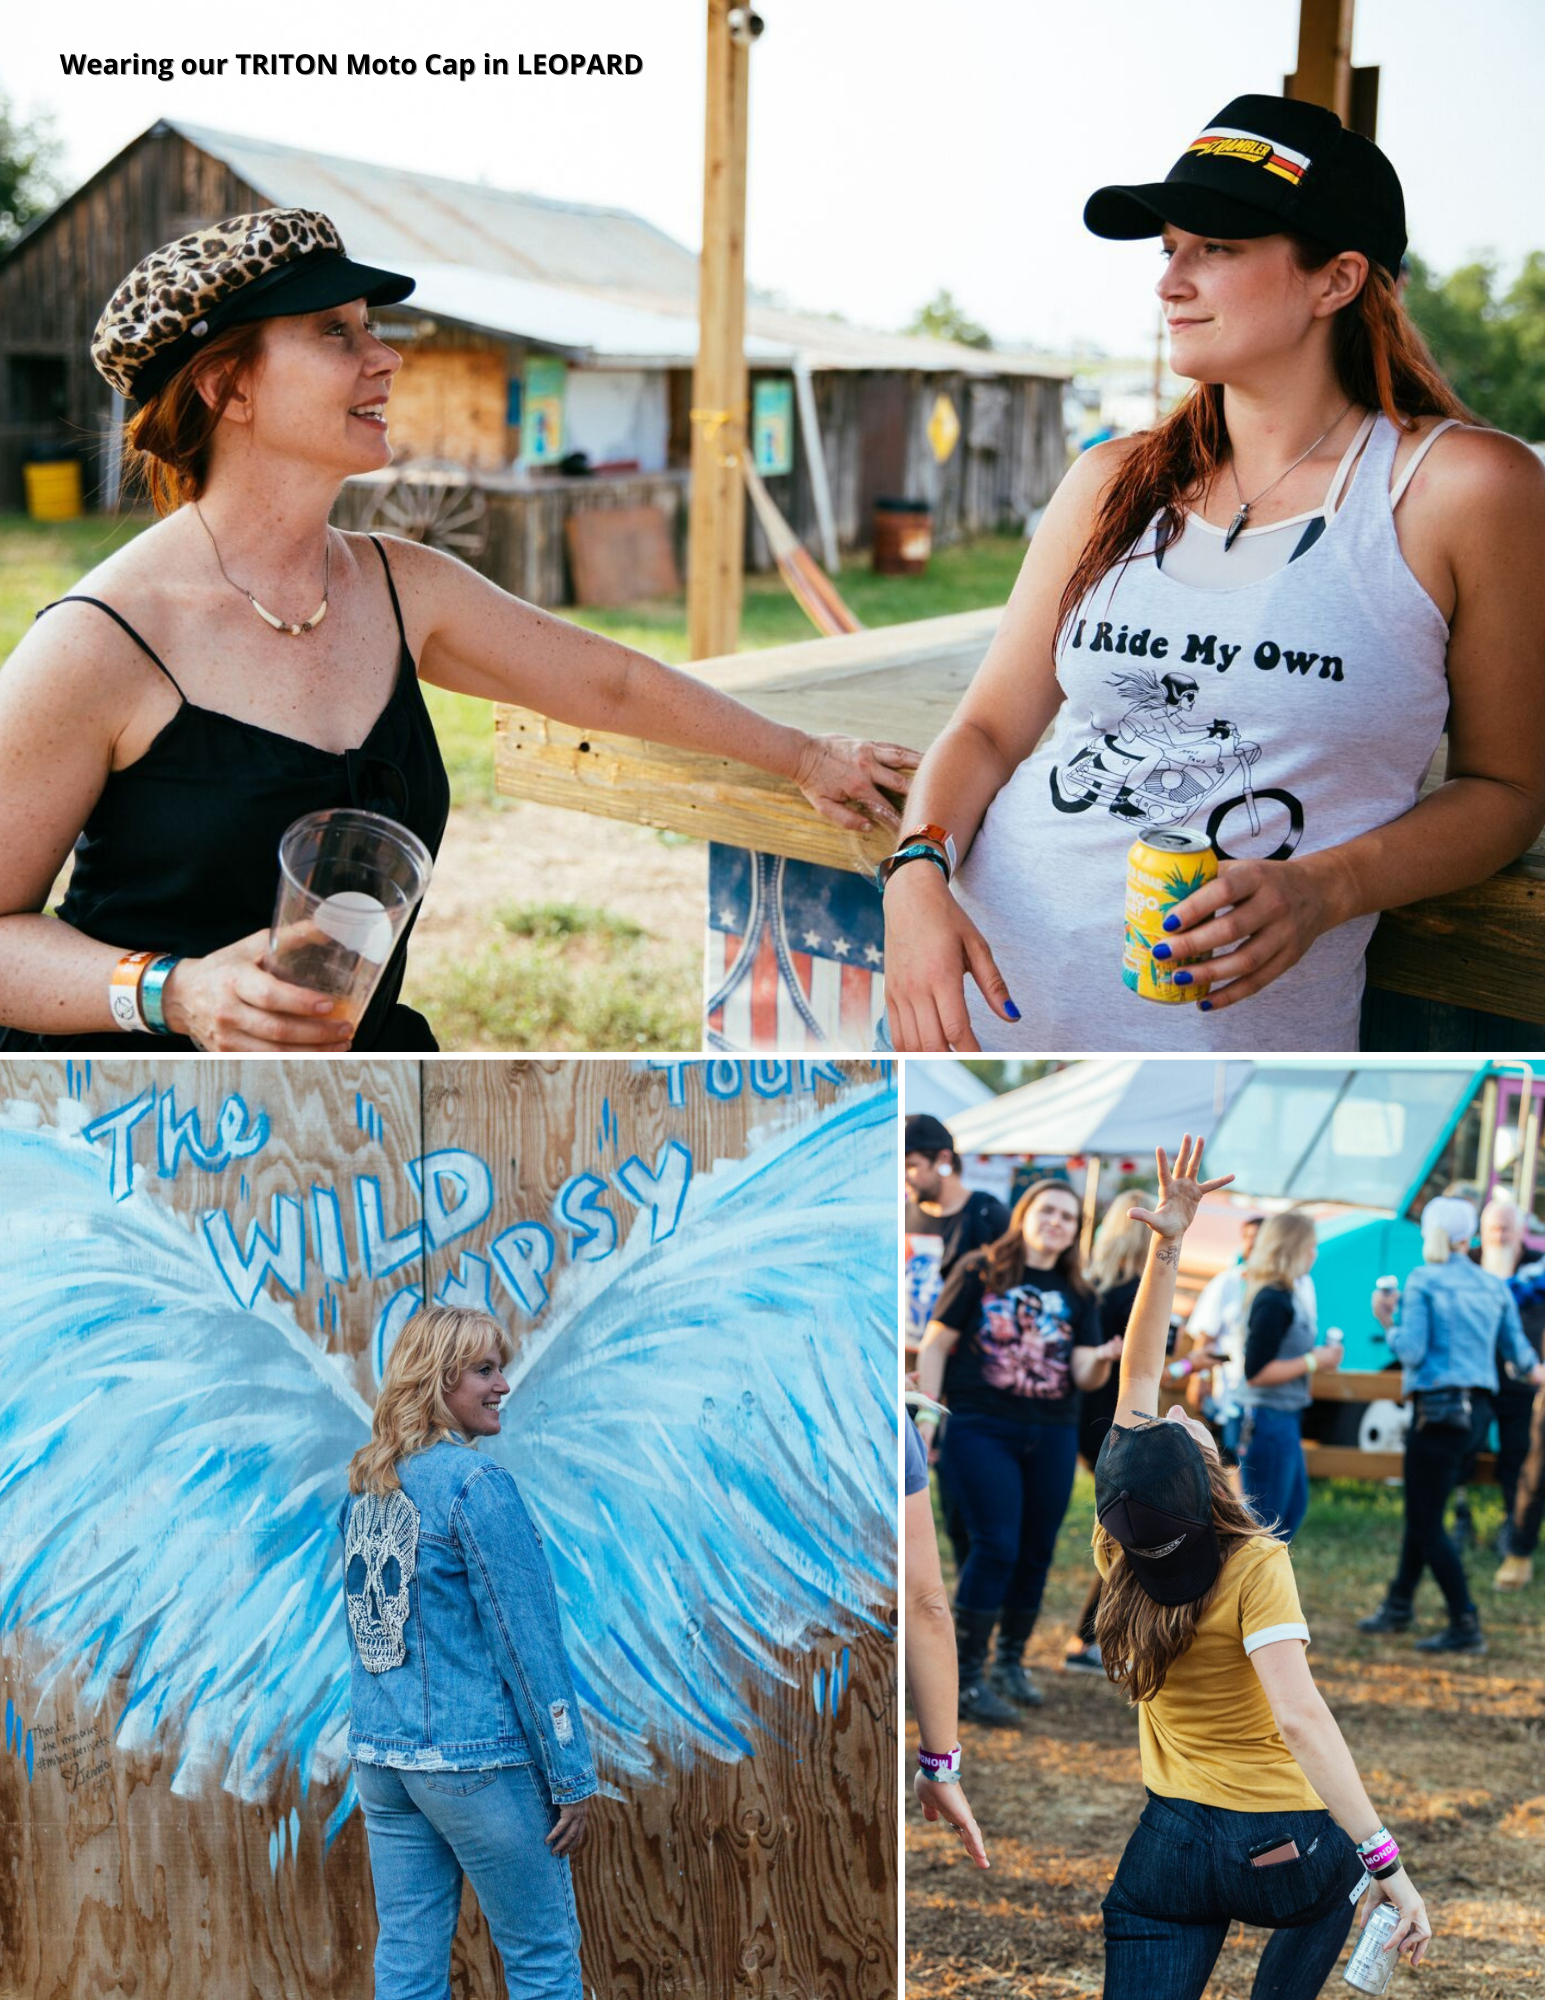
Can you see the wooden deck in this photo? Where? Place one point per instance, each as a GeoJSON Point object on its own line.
{"type": "Point", "coordinates": [1476, 949]}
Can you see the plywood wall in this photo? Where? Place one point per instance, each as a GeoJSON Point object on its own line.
{"type": "Point", "coordinates": [183, 1244]}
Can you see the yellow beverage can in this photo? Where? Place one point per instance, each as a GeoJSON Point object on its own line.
{"type": "Point", "coordinates": [1164, 866]}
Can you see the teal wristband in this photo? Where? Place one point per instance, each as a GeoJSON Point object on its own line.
{"type": "Point", "coordinates": [156, 975]}
{"type": "Point", "coordinates": [921, 850]}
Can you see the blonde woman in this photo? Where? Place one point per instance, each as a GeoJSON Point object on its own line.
{"type": "Point", "coordinates": [469, 1754]}
{"type": "Point", "coordinates": [1455, 1319]}
{"type": "Point", "coordinates": [1116, 1260]}
{"type": "Point", "coordinates": [1280, 1361]}
{"type": "Point", "coordinates": [1255, 1808]}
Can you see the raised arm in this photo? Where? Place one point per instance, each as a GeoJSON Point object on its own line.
{"type": "Point", "coordinates": [473, 637]}
{"type": "Point", "coordinates": [1142, 1355]}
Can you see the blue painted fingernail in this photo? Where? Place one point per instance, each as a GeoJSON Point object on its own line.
{"type": "Point", "coordinates": [1161, 951]}
{"type": "Point", "coordinates": [1172, 923]}
{"type": "Point", "coordinates": [1011, 1010]}
{"type": "Point", "coordinates": [1182, 978]}
{"type": "Point", "coordinates": [1204, 1006]}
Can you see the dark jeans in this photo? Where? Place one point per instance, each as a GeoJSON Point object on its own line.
{"type": "Point", "coordinates": [1272, 1471]}
{"type": "Point", "coordinates": [1186, 1876]}
{"type": "Point", "coordinates": [1433, 1458]}
{"type": "Point", "coordinates": [1529, 1501]}
{"type": "Point", "coordinates": [1513, 1407]}
{"type": "Point", "coordinates": [1011, 1482]}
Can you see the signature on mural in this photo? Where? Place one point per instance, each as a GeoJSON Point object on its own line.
{"type": "Point", "coordinates": [702, 1423]}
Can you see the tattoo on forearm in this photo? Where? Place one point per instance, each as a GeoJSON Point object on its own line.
{"type": "Point", "coordinates": [1169, 1253]}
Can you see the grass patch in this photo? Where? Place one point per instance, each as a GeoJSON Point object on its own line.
{"type": "Point", "coordinates": [42, 560]}
{"type": "Point", "coordinates": [565, 920]}
{"type": "Point", "coordinates": [607, 987]}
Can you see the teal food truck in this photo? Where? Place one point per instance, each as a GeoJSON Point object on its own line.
{"type": "Point", "coordinates": [1364, 1143]}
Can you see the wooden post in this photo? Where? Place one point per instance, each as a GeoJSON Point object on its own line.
{"type": "Point", "coordinates": [716, 523]}
{"type": "Point", "coordinates": [1324, 73]}
{"type": "Point", "coordinates": [1091, 1206]}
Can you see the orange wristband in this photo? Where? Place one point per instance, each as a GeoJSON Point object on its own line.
{"type": "Point", "coordinates": [123, 991]}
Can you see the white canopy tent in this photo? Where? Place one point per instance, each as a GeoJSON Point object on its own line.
{"type": "Point", "coordinates": [945, 1089]}
{"type": "Point", "coordinates": [1111, 1107]}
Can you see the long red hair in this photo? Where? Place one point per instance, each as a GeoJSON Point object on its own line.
{"type": "Point", "coordinates": [1381, 362]}
{"type": "Point", "coordinates": [167, 442]}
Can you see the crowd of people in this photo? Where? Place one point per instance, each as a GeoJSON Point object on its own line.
{"type": "Point", "coordinates": [1031, 1358]}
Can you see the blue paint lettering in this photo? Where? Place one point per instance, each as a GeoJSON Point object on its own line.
{"type": "Point", "coordinates": [592, 1228]}
{"type": "Point", "coordinates": [244, 1267]}
{"type": "Point", "coordinates": [390, 1321]}
{"type": "Point", "coordinates": [661, 1192]}
{"type": "Point", "coordinates": [382, 1254]}
{"type": "Point", "coordinates": [469, 1287]}
{"type": "Point", "coordinates": [771, 1079]}
{"type": "Point", "coordinates": [327, 1234]}
{"type": "Point", "coordinates": [523, 1256]}
{"type": "Point", "coordinates": [238, 1135]}
{"type": "Point", "coordinates": [118, 1126]}
{"type": "Point", "coordinates": [465, 1175]}
{"type": "Point", "coordinates": [723, 1079]}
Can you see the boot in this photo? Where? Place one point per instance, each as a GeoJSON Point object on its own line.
{"type": "Point", "coordinates": [1516, 1573]}
{"type": "Point", "coordinates": [1395, 1614]}
{"type": "Point", "coordinates": [978, 1703]}
{"type": "Point", "coordinates": [1008, 1676]}
{"type": "Point", "coordinates": [1460, 1635]}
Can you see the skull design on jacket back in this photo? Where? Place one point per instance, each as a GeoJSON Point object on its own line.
{"type": "Point", "coordinates": [380, 1557]}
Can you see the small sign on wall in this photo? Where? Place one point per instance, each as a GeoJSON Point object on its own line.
{"type": "Point", "coordinates": [541, 430]}
{"type": "Point", "coordinates": [772, 426]}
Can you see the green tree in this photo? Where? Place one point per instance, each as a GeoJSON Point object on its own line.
{"type": "Point", "coordinates": [942, 319]}
{"type": "Point", "coordinates": [1489, 342]}
{"type": "Point", "coordinates": [29, 159]}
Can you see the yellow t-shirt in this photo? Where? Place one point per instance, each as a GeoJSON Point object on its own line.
{"type": "Point", "coordinates": [1209, 1733]}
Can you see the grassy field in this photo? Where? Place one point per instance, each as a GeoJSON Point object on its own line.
{"type": "Point", "coordinates": [622, 969]}
{"type": "Point", "coordinates": [1453, 1754]}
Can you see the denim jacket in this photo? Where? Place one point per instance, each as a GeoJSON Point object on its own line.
{"type": "Point", "coordinates": [456, 1656]}
{"type": "Point", "coordinates": [1453, 1319]}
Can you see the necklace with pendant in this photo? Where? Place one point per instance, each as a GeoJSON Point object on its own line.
{"type": "Point", "coordinates": [1236, 526]}
{"type": "Point", "coordinates": [268, 617]}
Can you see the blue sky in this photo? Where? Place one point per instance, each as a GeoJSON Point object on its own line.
{"type": "Point", "coordinates": [895, 148]}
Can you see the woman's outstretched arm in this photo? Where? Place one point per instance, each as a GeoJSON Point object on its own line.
{"type": "Point", "coordinates": [1142, 1355]}
{"type": "Point", "coordinates": [932, 1679]}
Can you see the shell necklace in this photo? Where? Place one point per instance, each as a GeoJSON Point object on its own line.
{"type": "Point", "coordinates": [268, 617]}
{"type": "Point", "coordinates": [1236, 526]}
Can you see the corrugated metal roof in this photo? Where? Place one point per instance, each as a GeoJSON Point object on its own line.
{"type": "Point", "coordinates": [598, 283]}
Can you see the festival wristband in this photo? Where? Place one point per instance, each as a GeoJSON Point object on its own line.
{"type": "Point", "coordinates": [1379, 1854]}
{"type": "Point", "coordinates": [123, 991]}
{"type": "Point", "coordinates": [1310, 1364]}
{"type": "Point", "coordinates": [1179, 1370]}
{"type": "Point", "coordinates": [942, 1766]}
{"type": "Point", "coordinates": [151, 984]}
{"type": "Point", "coordinates": [939, 838]}
{"type": "Point", "coordinates": [918, 851]}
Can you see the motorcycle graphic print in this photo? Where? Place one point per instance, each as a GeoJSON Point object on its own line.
{"type": "Point", "coordinates": [1025, 1342]}
{"type": "Point", "coordinates": [1159, 763]}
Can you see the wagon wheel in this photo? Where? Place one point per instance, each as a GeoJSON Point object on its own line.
{"type": "Point", "coordinates": [436, 501]}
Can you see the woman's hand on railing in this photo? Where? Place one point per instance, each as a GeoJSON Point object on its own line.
{"type": "Point", "coordinates": [1180, 1191]}
{"type": "Point", "coordinates": [227, 1001]}
{"type": "Point", "coordinates": [931, 948]}
{"type": "Point", "coordinates": [846, 778]}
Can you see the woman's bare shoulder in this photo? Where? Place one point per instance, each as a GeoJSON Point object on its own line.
{"type": "Point", "coordinates": [78, 655]}
{"type": "Point", "coordinates": [1470, 463]}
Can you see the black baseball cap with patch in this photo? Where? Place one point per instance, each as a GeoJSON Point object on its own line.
{"type": "Point", "coordinates": [1266, 164]}
{"type": "Point", "coordinates": [1153, 1496]}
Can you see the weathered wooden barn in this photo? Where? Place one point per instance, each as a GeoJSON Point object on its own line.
{"type": "Point", "coordinates": [540, 331]}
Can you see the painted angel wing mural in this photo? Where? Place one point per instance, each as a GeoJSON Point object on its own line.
{"type": "Point", "coordinates": [703, 1426]}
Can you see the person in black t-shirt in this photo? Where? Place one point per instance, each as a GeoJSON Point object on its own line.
{"type": "Point", "coordinates": [1014, 1338]}
{"type": "Point", "coordinates": [938, 1201]}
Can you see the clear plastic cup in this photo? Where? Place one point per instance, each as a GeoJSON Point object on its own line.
{"type": "Point", "coordinates": [349, 883]}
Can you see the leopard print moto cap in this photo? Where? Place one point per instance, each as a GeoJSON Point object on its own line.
{"type": "Point", "coordinates": [280, 262]}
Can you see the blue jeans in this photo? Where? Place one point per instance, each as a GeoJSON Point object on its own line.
{"type": "Point", "coordinates": [1011, 1482]}
{"type": "Point", "coordinates": [1186, 1876]}
{"type": "Point", "coordinates": [1272, 1471]}
{"type": "Point", "coordinates": [427, 1828]}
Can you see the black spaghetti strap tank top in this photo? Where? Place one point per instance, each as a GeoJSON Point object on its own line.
{"type": "Point", "coordinates": [181, 852]}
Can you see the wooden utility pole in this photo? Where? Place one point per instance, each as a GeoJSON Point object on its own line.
{"type": "Point", "coordinates": [1325, 74]}
{"type": "Point", "coordinates": [716, 521]}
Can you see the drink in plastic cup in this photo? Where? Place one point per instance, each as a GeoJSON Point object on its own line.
{"type": "Point", "coordinates": [349, 883]}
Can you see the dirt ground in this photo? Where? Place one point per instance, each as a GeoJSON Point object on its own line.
{"type": "Point", "coordinates": [1454, 1758]}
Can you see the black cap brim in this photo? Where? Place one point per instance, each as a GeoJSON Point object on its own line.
{"type": "Point", "coordinates": [1192, 1556]}
{"type": "Point", "coordinates": [312, 284]}
{"type": "Point", "coordinates": [1126, 213]}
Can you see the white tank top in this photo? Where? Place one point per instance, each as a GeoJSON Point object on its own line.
{"type": "Point", "coordinates": [1278, 717]}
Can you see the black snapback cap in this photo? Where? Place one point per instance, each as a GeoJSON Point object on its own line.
{"type": "Point", "coordinates": [927, 1134]}
{"type": "Point", "coordinates": [1266, 164]}
{"type": "Point", "coordinates": [1153, 1496]}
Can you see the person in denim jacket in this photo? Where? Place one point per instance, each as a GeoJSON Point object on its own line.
{"type": "Point", "coordinates": [1255, 1809]}
{"type": "Point", "coordinates": [1455, 1319]}
{"type": "Point", "coordinates": [469, 1753]}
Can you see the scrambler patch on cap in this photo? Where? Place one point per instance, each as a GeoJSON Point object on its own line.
{"type": "Point", "coordinates": [1164, 1549]}
{"type": "Point", "coordinates": [1229, 143]}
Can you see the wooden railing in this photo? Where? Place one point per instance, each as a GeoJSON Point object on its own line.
{"type": "Point", "coordinates": [1481, 949]}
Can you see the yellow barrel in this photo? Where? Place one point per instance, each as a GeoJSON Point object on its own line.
{"type": "Point", "coordinates": [53, 490]}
